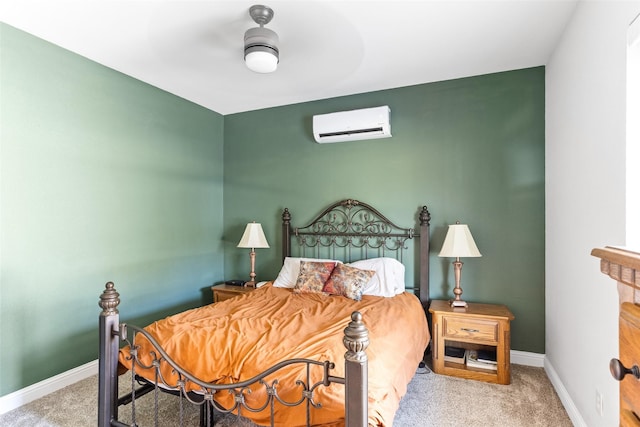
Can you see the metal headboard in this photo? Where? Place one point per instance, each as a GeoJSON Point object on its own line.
{"type": "Point", "coordinates": [351, 230]}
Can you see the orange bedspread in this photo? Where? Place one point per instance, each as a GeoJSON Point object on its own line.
{"type": "Point", "coordinates": [237, 339]}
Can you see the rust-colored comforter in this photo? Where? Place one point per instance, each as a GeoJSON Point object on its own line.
{"type": "Point", "coordinates": [237, 339]}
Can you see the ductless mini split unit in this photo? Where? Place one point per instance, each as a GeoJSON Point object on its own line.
{"type": "Point", "coordinates": [354, 125]}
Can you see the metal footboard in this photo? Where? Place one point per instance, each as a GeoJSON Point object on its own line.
{"type": "Point", "coordinates": [356, 341]}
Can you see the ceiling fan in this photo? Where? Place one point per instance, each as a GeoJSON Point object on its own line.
{"type": "Point", "coordinates": [261, 52]}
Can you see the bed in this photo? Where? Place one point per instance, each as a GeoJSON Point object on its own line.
{"type": "Point", "coordinates": [334, 339]}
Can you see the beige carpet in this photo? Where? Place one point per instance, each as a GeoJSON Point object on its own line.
{"type": "Point", "coordinates": [432, 400]}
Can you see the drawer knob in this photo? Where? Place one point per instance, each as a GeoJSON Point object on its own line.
{"type": "Point", "coordinates": [619, 371]}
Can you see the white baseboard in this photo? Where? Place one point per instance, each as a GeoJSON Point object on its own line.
{"type": "Point", "coordinates": [527, 358]}
{"type": "Point", "coordinates": [44, 387]}
{"type": "Point", "coordinates": [567, 402]}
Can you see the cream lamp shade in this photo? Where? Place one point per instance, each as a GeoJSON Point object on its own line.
{"type": "Point", "coordinates": [253, 237]}
{"type": "Point", "coordinates": [459, 243]}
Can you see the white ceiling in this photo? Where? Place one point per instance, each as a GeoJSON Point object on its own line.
{"type": "Point", "coordinates": [194, 49]}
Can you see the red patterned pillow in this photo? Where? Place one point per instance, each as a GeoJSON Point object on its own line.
{"type": "Point", "coordinates": [348, 281]}
{"type": "Point", "coordinates": [313, 276]}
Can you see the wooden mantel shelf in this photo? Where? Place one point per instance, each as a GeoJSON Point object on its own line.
{"type": "Point", "coordinates": [620, 264]}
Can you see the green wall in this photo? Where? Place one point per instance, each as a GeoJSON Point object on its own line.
{"type": "Point", "coordinates": [103, 178]}
{"type": "Point", "coordinates": [470, 149]}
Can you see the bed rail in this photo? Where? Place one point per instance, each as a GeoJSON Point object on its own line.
{"type": "Point", "coordinates": [112, 332]}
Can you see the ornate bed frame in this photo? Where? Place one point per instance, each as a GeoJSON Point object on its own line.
{"type": "Point", "coordinates": [349, 226]}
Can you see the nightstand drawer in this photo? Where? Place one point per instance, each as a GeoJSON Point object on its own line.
{"type": "Point", "coordinates": [224, 295]}
{"type": "Point", "coordinates": [225, 292]}
{"type": "Point", "coordinates": [485, 330]}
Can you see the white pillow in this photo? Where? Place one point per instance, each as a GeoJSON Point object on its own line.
{"type": "Point", "coordinates": [388, 280]}
{"type": "Point", "coordinates": [291, 269]}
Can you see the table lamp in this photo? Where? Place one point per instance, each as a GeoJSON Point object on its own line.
{"type": "Point", "coordinates": [458, 243]}
{"type": "Point", "coordinates": [252, 238]}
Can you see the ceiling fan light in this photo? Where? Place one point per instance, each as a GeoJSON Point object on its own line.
{"type": "Point", "coordinates": [261, 61]}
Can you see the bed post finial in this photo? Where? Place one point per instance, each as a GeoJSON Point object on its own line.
{"type": "Point", "coordinates": [425, 216]}
{"type": "Point", "coordinates": [356, 340]}
{"type": "Point", "coordinates": [109, 300]}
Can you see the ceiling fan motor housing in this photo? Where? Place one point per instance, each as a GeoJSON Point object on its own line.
{"type": "Point", "coordinates": [261, 39]}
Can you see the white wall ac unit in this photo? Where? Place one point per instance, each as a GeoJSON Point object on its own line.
{"type": "Point", "coordinates": [367, 123]}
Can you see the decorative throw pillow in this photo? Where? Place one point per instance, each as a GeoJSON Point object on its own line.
{"type": "Point", "coordinates": [313, 276]}
{"type": "Point", "coordinates": [291, 270]}
{"type": "Point", "coordinates": [348, 281]}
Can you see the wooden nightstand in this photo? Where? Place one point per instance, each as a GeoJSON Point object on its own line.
{"type": "Point", "coordinates": [224, 292]}
{"type": "Point", "coordinates": [479, 327]}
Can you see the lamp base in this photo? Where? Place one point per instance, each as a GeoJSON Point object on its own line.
{"type": "Point", "coordinates": [458, 303]}
{"type": "Point", "coordinates": [250, 284]}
